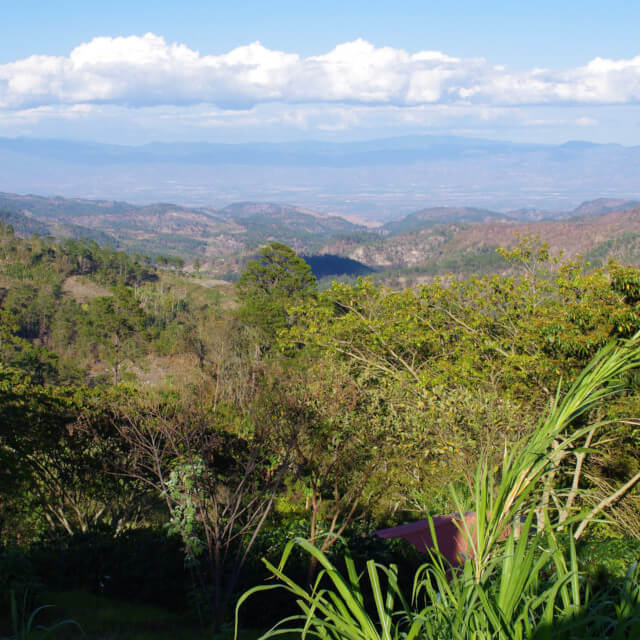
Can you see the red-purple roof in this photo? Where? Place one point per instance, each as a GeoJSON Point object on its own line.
{"type": "Point", "coordinates": [452, 542]}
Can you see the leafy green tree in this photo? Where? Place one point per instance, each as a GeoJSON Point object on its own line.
{"type": "Point", "coordinates": [36, 361]}
{"type": "Point", "coordinates": [270, 284]}
{"type": "Point", "coordinates": [177, 263]}
{"type": "Point", "coordinates": [337, 437]}
{"type": "Point", "coordinates": [57, 448]}
{"type": "Point", "coordinates": [116, 325]}
{"type": "Point", "coordinates": [211, 467]}
{"type": "Point", "coordinates": [468, 364]}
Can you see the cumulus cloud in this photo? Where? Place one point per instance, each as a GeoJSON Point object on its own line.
{"type": "Point", "coordinates": [142, 71]}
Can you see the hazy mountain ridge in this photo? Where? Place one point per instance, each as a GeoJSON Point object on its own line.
{"type": "Point", "coordinates": [291, 218]}
{"type": "Point", "coordinates": [426, 218]}
{"type": "Point", "coordinates": [398, 150]}
{"type": "Point", "coordinates": [388, 151]}
{"type": "Point", "coordinates": [574, 236]}
{"type": "Point", "coordinates": [230, 218]}
{"type": "Point", "coordinates": [375, 179]}
{"type": "Point", "coordinates": [604, 205]}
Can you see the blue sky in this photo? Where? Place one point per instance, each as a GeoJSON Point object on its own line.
{"type": "Point", "coordinates": [544, 71]}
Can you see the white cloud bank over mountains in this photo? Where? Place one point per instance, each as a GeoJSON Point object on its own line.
{"type": "Point", "coordinates": [145, 71]}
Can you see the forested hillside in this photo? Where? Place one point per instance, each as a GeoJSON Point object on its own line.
{"type": "Point", "coordinates": [161, 432]}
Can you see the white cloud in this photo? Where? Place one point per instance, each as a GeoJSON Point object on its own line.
{"type": "Point", "coordinates": [141, 71]}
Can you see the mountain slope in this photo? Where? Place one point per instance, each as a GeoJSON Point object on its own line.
{"type": "Point", "coordinates": [174, 229]}
{"type": "Point", "coordinates": [426, 218]}
{"type": "Point", "coordinates": [574, 237]}
{"type": "Point", "coordinates": [431, 239]}
{"type": "Point", "coordinates": [470, 245]}
{"type": "Point", "coordinates": [25, 225]}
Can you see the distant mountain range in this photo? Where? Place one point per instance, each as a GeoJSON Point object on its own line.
{"type": "Point", "coordinates": [429, 239]}
{"type": "Point", "coordinates": [163, 228]}
{"type": "Point", "coordinates": [464, 240]}
{"type": "Point", "coordinates": [375, 180]}
{"type": "Point", "coordinates": [426, 218]}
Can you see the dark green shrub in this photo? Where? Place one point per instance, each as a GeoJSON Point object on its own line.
{"type": "Point", "coordinates": [139, 565]}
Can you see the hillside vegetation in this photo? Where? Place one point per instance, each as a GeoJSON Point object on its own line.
{"type": "Point", "coordinates": [161, 432]}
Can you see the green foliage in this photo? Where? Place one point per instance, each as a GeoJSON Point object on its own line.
{"type": "Point", "coordinates": [59, 449]}
{"type": "Point", "coordinates": [467, 363]}
{"type": "Point", "coordinates": [480, 261]}
{"type": "Point", "coordinates": [135, 398]}
{"type": "Point", "coordinates": [607, 560]}
{"type": "Point", "coordinates": [42, 259]}
{"type": "Point", "coordinates": [272, 282]}
{"type": "Point", "coordinates": [172, 262]}
{"type": "Point", "coordinates": [181, 491]}
{"type": "Point", "coordinates": [337, 439]}
{"type": "Point", "coordinates": [23, 621]}
{"type": "Point", "coordinates": [338, 612]}
{"type": "Point", "coordinates": [115, 326]}
{"type": "Point", "coordinates": [59, 323]}
{"type": "Point", "coordinates": [525, 587]}
{"type": "Point", "coordinates": [624, 248]}
{"type": "Point", "coordinates": [21, 224]}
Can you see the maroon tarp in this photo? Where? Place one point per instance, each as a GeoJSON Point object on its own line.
{"type": "Point", "coordinates": [452, 542]}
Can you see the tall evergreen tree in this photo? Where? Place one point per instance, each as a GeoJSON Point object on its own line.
{"type": "Point", "coordinates": [275, 280]}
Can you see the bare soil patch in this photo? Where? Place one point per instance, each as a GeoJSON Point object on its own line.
{"type": "Point", "coordinates": [82, 289]}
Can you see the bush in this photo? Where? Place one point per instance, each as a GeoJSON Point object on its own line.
{"type": "Point", "coordinates": [276, 604]}
{"type": "Point", "coordinates": [140, 565]}
{"type": "Point", "coordinates": [17, 575]}
{"type": "Point", "coordinates": [607, 561]}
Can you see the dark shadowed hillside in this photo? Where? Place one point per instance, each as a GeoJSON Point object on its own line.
{"type": "Point", "coordinates": [327, 264]}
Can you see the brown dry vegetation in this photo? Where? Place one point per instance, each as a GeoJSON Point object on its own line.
{"type": "Point", "coordinates": [573, 237]}
{"type": "Point", "coordinates": [82, 289]}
